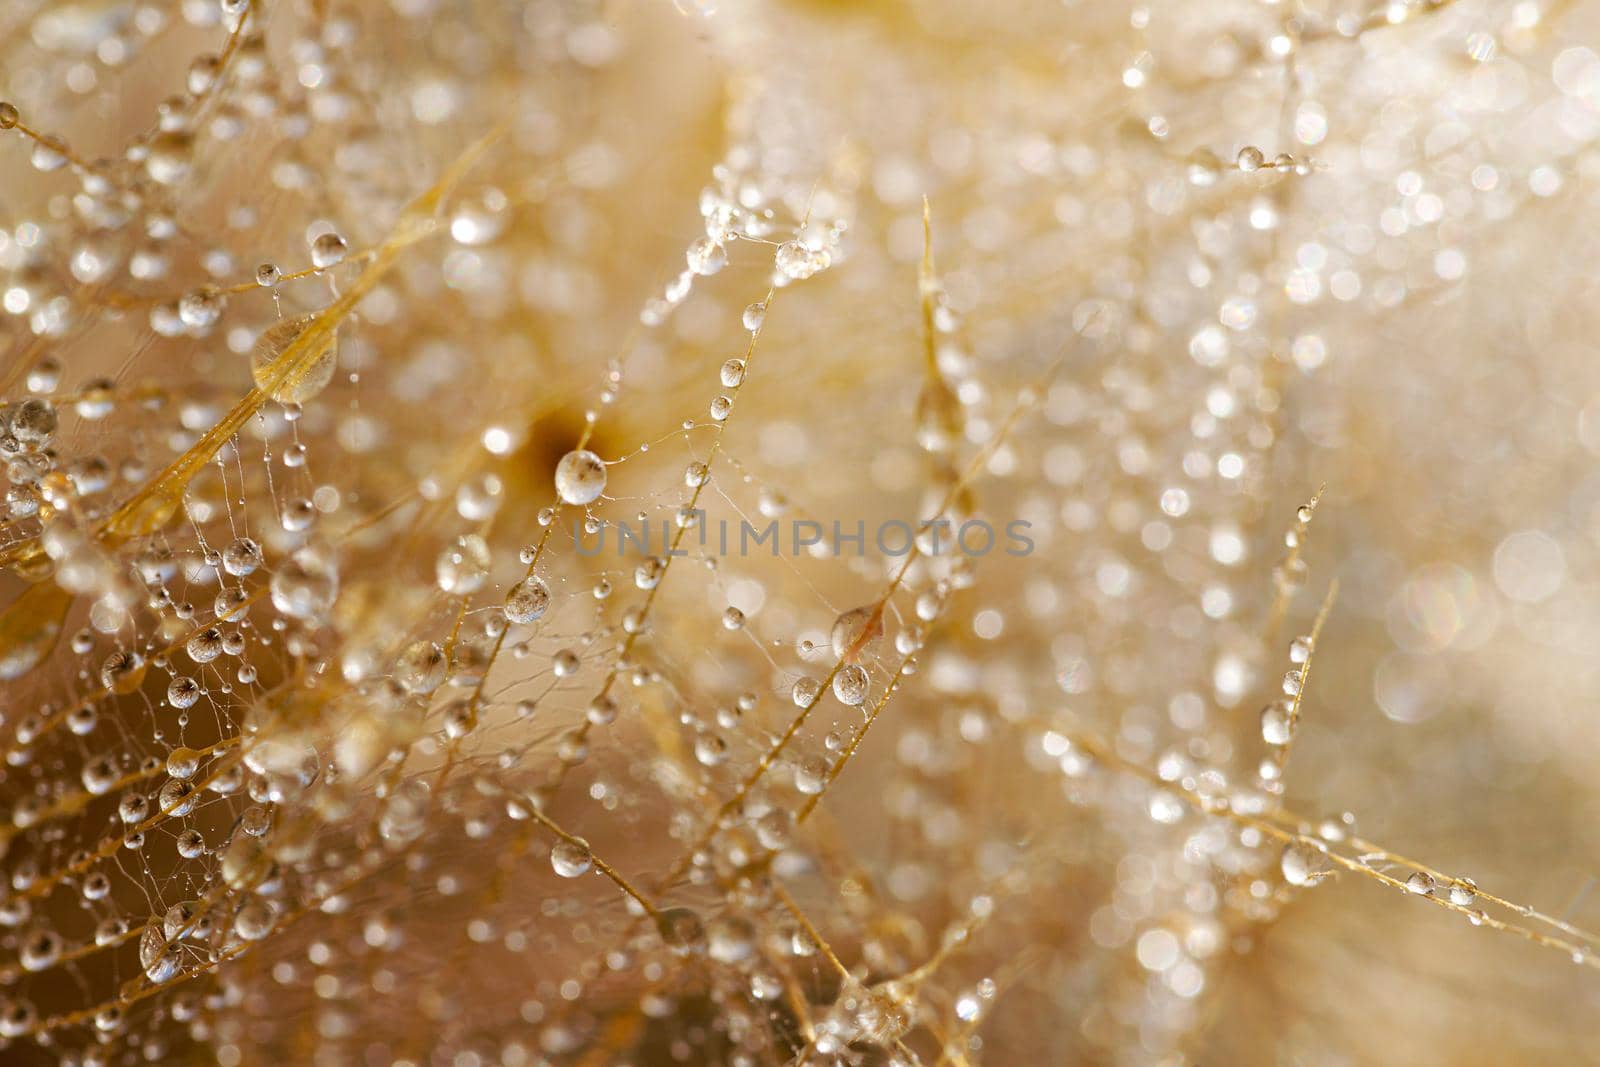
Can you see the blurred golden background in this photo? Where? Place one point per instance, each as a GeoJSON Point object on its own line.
{"type": "Point", "coordinates": [327, 328]}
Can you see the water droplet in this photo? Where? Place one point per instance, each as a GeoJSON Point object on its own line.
{"type": "Point", "coordinates": [183, 763]}
{"type": "Point", "coordinates": [462, 568]}
{"type": "Point", "coordinates": [40, 949]}
{"type": "Point", "coordinates": [1277, 727]}
{"type": "Point", "coordinates": [328, 249]}
{"type": "Point", "coordinates": [160, 961]}
{"type": "Point", "coordinates": [527, 601]}
{"type": "Point", "coordinates": [307, 374]}
{"type": "Point", "coordinates": [1300, 649]}
{"type": "Point", "coordinates": [122, 672]}
{"type": "Point", "coordinates": [205, 646]}
{"type": "Point", "coordinates": [811, 775]}
{"type": "Point", "coordinates": [856, 632]}
{"type": "Point", "coordinates": [242, 557]}
{"type": "Point", "coordinates": [850, 685]}
{"type": "Point", "coordinates": [201, 308]}
{"type": "Point", "coordinates": [254, 921]}
{"type": "Point", "coordinates": [730, 939]}
{"type": "Point", "coordinates": [1302, 865]}
{"type": "Point", "coordinates": [706, 257]}
{"type": "Point", "coordinates": [571, 858]}
{"type": "Point", "coordinates": [681, 929]}
{"type": "Point", "coordinates": [421, 668]}
{"type": "Point", "coordinates": [307, 584]}
{"type": "Point", "coordinates": [796, 261]}
{"type": "Point", "coordinates": [580, 477]}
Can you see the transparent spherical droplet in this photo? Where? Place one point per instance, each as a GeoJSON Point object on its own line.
{"type": "Point", "coordinates": [201, 308]}
{"type": "Point", "coordinates": [254, 921]}
{"type": "Point", "coordinates": [710, 750]}
{"type": "Point", "coordinates": [96, 400]}
{"type": "Point", "coordinates": [460, 719]}
{"type": "Point", "coordinates": [183, 763]}
{"type": "Point", "coordinates": [159, 960]}
{"type": "Point", "coordinates": [565, 663]}
{"type": "Point", "coordinates": [421, 668]}
{"type": "Point", "coordinates": [527, 601]}
{"type": "Point", "coordinates": [205, 646]}
{"type": "Point", "coordinates": [804, 692]}
{"type": "Point", "coordinates": [170, 156]}
{"type": "Point", "coordinates": [796, 261]}
{"type": "Point", "coordinates": [754, 316]}
{"type": "Point", "coordinates": [681, 929]}
{"type": "Point", "coordinates": [571, 858]}
{"type": "Point", "coordinates": [328, 249]}
{"type": "Point", "coordinates": [462, 568]}
{"type": "Point", "coordinates": [1302, 865]}
{"type": "Point", "coordinates": [40, 949]}
{"type": "Point", "coordinates": [1300, 650]}
{"type": "Point", "coordinates": [309, 369]}
{"type": "Point", "coordinates": [32, 422]}
{"type": "Point", "coordinates": [580, 477]}
{"type": "Point", "coordinates": [1250, 159]}
{"type": "Point", "coordinates": [1277, 725]}
{"type": "Point", "coordinates": [122, 672]}
{"type": "Point", "coordinates": [1420, 883]}
{"type": "Point", "coordinates": [99, 775]}
{"type": "Point", "coordinates": [850, 685]}
{"type": "Point", "coordinates": [856, 632]}
{"type": "Point", "coordinates": [133, 808]}
{"type": "Point", "coordinates": [83, 720]}
{"type": "Point", "coordinates": [177, 798]}
{"type": "Point", "coordinates": [811, 775]}
{"type": "Point", "coordinates": [649, 573]}
{"type": "Point", "coordinates": [306, 585]}
{"type": "Point", "coordinates": [706, 257]}
{"type": "Point", "coordinates": [255, 821]}
{"type": "Point", "coordinates": [602, 711]}
{"type": "Point", "coordinates": [732, 373]}
{"type": "Point", "coordinates": [775, 829]}
{"type": "Point", "coordinates": [480, 497]}
{"type": "Point", "coordinates": [242, 557]}
{"type": "Point", "coordinates": [730, 939]}
{"type": "Point", "coordinates": [191, 844]}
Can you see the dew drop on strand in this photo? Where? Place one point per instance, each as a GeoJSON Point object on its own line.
{"type": "Point", "coordinates": [571, 858]}
{"type": "Point", "coordinates": [580, 477]}
{"type": "Point", "coordinates": [312, 367]}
